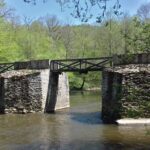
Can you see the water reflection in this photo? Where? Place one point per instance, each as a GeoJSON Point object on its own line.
{"type": "Point", "coordinates": [87, 117]}
{"type": "Point", "coordinates": [77, 128]}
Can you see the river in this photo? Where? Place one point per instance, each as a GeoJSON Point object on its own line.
{"type": "Point", "coordinates": [76, 128]}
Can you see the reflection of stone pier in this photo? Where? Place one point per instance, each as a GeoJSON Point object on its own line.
{"type": "Point", "coordinates": [31, 87]}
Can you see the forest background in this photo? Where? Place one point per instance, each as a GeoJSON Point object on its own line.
{"type": "Point", "coordinates": [48, 38]}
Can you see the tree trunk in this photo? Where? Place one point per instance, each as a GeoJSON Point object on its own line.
{"type": "Point", "coordinates": [82, 86]}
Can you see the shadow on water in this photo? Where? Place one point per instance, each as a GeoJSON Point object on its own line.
{"type": "Point", "coordinates": [87, 117]}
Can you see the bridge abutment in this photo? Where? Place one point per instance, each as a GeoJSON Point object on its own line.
{"type": "Point", "coordinates": [126, 88]}
{"type": "Point", "coordinates": [33, 88]}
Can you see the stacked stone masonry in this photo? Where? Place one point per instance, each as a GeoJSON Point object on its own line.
{"type": "Point", "coordinates": [126, 92]}
{"type": "Point", "coordinates": [27, 89]}
{"type": "Point", "coordinates": [21, 92]}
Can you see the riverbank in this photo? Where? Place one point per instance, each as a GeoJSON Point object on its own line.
{"type": "Point", "coordinates": [88, 89]}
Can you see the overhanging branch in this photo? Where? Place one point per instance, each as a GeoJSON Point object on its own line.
{"type": "Point", "coordinates": [81, 9]}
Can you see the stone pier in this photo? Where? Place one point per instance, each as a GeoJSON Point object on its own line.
{"type": "Point", "coordinates": [58, 93]}
{"type": "Point", "coordinates": [126, 89]}
{"type": "Point", "coordinates": [31, 87]}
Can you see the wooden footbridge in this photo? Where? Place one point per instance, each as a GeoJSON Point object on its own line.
{"type": "Point", "coordinates": [82, 65]}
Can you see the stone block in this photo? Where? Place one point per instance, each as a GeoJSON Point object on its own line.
{"type": "Point", "coordinates": [26, 91]}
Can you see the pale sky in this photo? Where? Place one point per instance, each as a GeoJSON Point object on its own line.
{"type": "Point", "coordinates": [52, 8]}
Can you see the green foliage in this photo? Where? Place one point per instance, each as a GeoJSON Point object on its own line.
{"type": "Point", "coordinates": [133, 113]}
{"type": "Point", "coordinates": [74, 81]}
{"type": "Point", "coordinates": [91, 80]}
{"type": "Point", "coordinates": [48, 39]}
{"type": "Point", "coordinates": [138, 39]}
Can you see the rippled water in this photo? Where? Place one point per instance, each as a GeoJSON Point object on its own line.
{"type": "Point", "coordinates": [77, 128]}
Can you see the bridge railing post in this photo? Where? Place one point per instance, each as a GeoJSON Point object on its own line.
{"type": "Point", "coordinates": [54, 66]}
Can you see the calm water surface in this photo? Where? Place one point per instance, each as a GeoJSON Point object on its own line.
{"type": "Point", "coordinates": [77, 128]}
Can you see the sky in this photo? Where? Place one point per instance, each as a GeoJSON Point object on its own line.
{"type": "Point", "coordinates": [52, 8]}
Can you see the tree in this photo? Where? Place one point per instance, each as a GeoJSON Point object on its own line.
{"type": "Point", "coordinates": [136, 31]}
{"type": "Point", "coordinates": [141, 40]}
{"type": "Point", "coordinates": [4, 11]}
{"type": "Point", "coordinates": [53, 26]}
{"type": "Point", "coordinates": [26, 40]}
{"type": "Point", "coordinates": [126, 31]}
{"type": "Point", "coordinates": [144, 11]}
{"type": "Point", "coordinates": [67, 39]}
{"type": "Point", "coordinates": [82, 40]}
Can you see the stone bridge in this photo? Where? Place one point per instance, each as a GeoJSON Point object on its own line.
{"type": "Point", "coordinates": [42, 85]}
